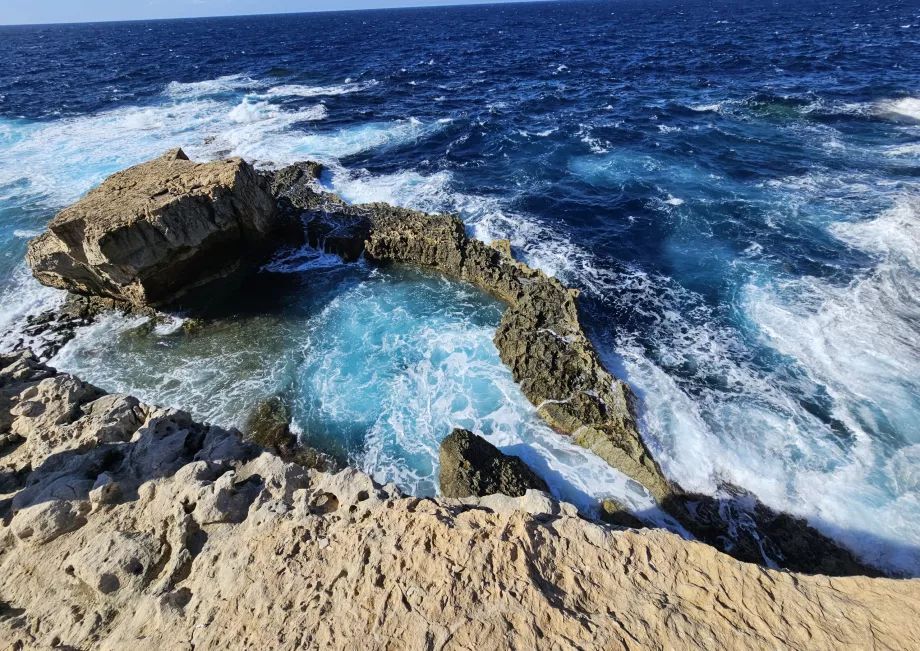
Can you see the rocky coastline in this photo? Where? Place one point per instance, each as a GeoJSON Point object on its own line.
{"type": "Point", "coordinates": [166, 233]}
{"type": "Point", "coordinates": [126, 524]}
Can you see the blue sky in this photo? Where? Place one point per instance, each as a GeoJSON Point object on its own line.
{"type": "Point", "coordinates": [18, 12]}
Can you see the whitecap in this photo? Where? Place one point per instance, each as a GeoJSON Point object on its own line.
{"type": "Point", "coordinates": [907, 107]}
{"type": "Point", "coordinates": [706, 108]}
{"type": "Point", "coordinates": [196, 89]}
{"type": "Point", "coordinates": [318, 91]}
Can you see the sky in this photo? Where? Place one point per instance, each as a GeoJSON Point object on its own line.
{"type": "Point", "coordinates": [19, 12]}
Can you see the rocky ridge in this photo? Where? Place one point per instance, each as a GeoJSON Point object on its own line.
{"type": "Point", "coordinates": [128, 526]}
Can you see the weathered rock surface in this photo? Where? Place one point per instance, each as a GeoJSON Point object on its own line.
{"type": "Point", "coordinates": [151, 233]}
{"type": "Point", "coordinates": [470, 466]}
{"type": "Point", "coordinates": [213, 543]}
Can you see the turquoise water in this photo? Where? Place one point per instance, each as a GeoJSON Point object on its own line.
{"type": "Point", "coordinates": [377, 366]}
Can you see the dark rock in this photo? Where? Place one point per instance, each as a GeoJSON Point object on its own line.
{"type": "Point", "coordinates": [473, 467]}
{"type": "Point", "coordinates": [331, 224]}
{"type": "Point", "coordinates": [741, 526]}
{"type": "Point", "coordinates": [612, 512]}
{"type": "Point", "coordinates": [269, 425]}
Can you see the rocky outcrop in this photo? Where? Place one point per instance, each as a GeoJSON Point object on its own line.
{"type": "Point", "coordinates": [541, 339]}
{"type": "Point", "coordinates": [149, 234]}
{"type": "Point", "coordinates": [132, 526]}
{"type": "Point", "coordinates": [470, 466]}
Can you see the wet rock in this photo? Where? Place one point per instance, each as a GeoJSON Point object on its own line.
{"type": "Point", "coordinates": [743, 527]}
{"type": "Point", "coordinates": [269, 425]}
{"type": "Point", "coordinates": [471, 466]}
{"type": "Point", "coordinates": [331, 224]}
{"type": "Point", "coordinates": [151, 233]}
{"type": "Point", "coordinates": [612, 512]}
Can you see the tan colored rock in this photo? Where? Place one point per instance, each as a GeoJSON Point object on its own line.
{"type": "Point", "coordinates": [214, 543]}
{"type": "Point", "coordinates": [151, 233]}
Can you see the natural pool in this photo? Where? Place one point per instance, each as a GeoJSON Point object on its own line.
{"type": "Point", "coordinates": [377, 365]}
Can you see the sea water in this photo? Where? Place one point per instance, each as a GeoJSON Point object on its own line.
{"type": "Point", "coordinates": [733, 187]}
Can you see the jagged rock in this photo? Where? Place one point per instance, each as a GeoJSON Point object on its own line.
{"type": "Point", "coordinates": [471, 466]}
{"type": "Point", "coordinates": [18, 371]}
{"type": "Point", "coordinates": [151, 233]}
{"type": "Point", "coordinates": [332, 225]}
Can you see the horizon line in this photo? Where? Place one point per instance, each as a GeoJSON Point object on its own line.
{"type": "Point", "coordinates": [444, 5]}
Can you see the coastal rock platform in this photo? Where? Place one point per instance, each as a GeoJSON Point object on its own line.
{"type": "Point", "coordinates": [128, 526]}
{"type": "Point", "coordinates": [540, 337]}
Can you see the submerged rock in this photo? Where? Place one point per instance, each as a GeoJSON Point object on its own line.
{"type": "Point", "coordinates": [151, 233]}
{"type": "Point", "coordinates": [471, 466]}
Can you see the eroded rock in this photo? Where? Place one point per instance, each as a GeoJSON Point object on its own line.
{"type": "Point", "coordinates": [473, 467]}
{"type": "Point", "coordinates": [215, 542]}
{"type": "Point", "coordinates": [151, 233]}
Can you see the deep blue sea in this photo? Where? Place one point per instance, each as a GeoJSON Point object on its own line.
{"type": "Point", "coordinates": [735, 186]}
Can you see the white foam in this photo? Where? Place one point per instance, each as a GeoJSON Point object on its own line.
{"type": "Point", "coordinates": [319, 91]}
{"type": "Point", "coordinates": [426, 378]}
{"type": "Point", "coordinates": [57, 162]}
{"type": "Point", "coordinates": [907, 107]}
{"type": "Point", "coordinates": [23, 296]}
{"type": "Point", "coordinates": [226, 84]}
{"type": "Point", "coordinates": [706, 108]}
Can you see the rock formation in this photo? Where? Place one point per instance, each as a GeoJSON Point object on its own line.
{"type": "Point", "coordinates": [539, 337]}
{"type": "Point", "coordinates": [470, 466]}
{"type": "Point", "coordinates": [151, 233]}
{"type": "Point", "coordinates": [127, 526]}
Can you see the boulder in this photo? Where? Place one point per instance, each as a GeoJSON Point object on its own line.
{"type": "Point", "coordinates": [149, 234]}
{"type": "Point", "coordinates": [269, 425]}
{"type": "Point", "coordinates": [471, 466]}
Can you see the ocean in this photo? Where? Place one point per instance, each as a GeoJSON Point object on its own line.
{"type": "Point", "coordinates": [733, 186]}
